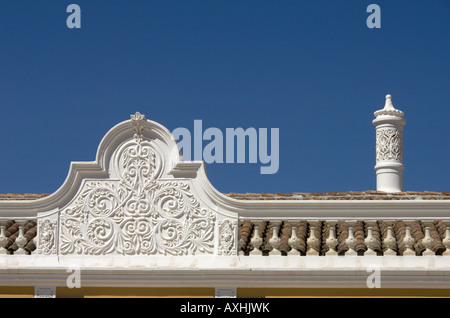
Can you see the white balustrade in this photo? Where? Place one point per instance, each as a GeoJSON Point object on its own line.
{"type": "Point", "coordinates": [372, 243]}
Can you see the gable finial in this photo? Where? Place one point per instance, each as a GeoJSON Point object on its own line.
{"type": "Point", "coordinates": [138, 119]}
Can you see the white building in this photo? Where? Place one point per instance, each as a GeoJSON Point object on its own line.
{"type": "Point", "coordinates": [141, 217]}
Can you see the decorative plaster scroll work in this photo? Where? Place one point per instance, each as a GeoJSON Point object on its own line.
{"type": "Point", "coordinates": [227, 232]}
{"type": "Point", "coordinates": [138, 214]}
{"type": "Point", "coordinates": [47, 234]}
{"type": "Point", "coordinates": [389, 146]}
{"type": "Point", "coordinates": [138, 119]}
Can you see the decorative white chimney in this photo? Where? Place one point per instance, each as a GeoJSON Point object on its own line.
{"type": "Point", "coordinates": [389, 124]}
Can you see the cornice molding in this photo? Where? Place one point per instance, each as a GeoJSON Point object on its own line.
{"type": "Point", "coordinates": [239, 272]}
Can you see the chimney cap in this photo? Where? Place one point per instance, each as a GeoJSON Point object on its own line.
{"type": "Point", "coordinates": [389, 109]}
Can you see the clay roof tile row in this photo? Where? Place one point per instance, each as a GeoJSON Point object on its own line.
{"type": "Point", "coordinates": [26, 196]}
{"type": "Point", "coordinates": [348, 195]}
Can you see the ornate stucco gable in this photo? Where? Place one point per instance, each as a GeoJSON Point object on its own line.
{"type": "Point", "coordinates": [137, 198]}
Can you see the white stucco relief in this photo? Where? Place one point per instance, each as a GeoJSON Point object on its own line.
{"type": "Point", "coordinates": [140, 209]}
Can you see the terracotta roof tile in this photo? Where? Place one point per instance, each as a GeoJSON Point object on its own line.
{"type": "Point", "coordinates": [374, 192]}
{"type": "Point", "coordinates": [252, 194]}
{"type": "Point", "coordinates": [21, 197]}
{"type": "Point", "coordinates": [355, 192]}
{"type": "Point", "coordinates": [284, 194]}
{"type": "Point", "coordinates": [348, 195]}
{"type": "Point", "coordinates": [12, 231]}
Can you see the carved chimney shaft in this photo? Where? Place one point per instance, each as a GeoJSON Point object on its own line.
{"type": "Point", "coordinates": [389, 167]}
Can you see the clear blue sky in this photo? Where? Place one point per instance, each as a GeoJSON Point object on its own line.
{"type": "Point", "coordinates": [310, 68]}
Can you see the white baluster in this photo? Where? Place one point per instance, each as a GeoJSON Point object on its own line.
{"type": "Point", "coordinates": [446, 240]}
{"type": "Point", "coordinates": [241, 243]}
{"type": "Point", "coordinates": [256, 241]}
{"type": "Point", "coordinates": [241, 246]}
{"type": "Point", "coordinates": [331, 241]}
{"type": "Point", "coordinates": [351, 241]}
{"type": "Point", "coordinates": [389, 240]}
{"type": "Point", "coordinates": [21, 240]}
{"type": "Point", "coordinates": [275, 241]}
{"type": "Point", "coordinates": [294, 242]}
{"type": "Point", "coordinates": [427, 241]}
{"type": "Point", "coordinates": [370, 241]}
{"type": "Point", "coordinates": [313, 242]}
{"type": "Point", "coordinates": [408, 241]}
{"type": "Point", "coordinates": [35, 244]}
{"type": "Point", "coordinates": [3, 240]}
